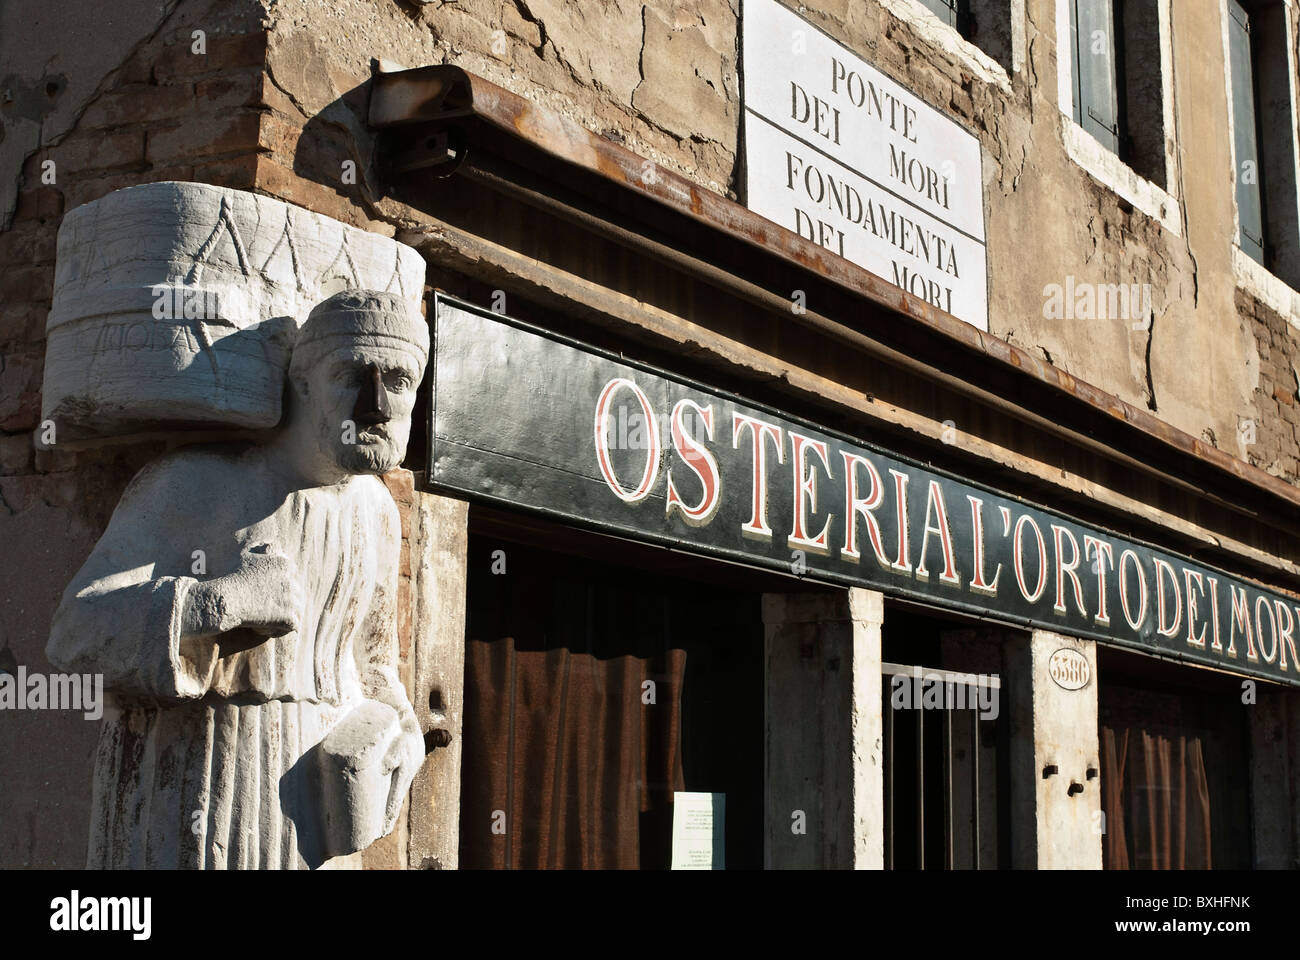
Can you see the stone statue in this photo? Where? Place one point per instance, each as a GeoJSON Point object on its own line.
{"type": "Point", "coordinates": [241, 606]}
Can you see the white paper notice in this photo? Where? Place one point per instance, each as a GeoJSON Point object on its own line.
{"type": "Point", "coordinates": [699, 829]}
{"type": "Point", "coordinates": [847, 158]}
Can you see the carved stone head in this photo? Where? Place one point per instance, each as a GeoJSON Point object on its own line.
{"type": "Point", "coordinates": [354, 372]}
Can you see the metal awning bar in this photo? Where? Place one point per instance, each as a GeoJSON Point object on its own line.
{"type": "Point", "coordinates": [439, 94]}
{"type": "Point", "coordinates": [496, 175]}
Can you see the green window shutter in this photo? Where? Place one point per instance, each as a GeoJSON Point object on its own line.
{"type": "Point", "coordinates": [945, 10]}
{"type": "Point", "coordinates": [1096, 106]}
{"type": "Point", "coordinates": [1249, 208]}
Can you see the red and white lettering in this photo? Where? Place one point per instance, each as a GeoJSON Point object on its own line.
{"type": "Point", "coordinates": [935, 506]}
{"type": "Point", "coordinates": [805, 492]}
{"type": "Point", "coordinates": [1215, 643]}
{"type": "Point", "coordinates": [1290, 645]}
{"type": "Point", "coordinates": [1259, 629]}
{"type": "Point", "coordinates": [855, 506]}
{"type": "Point", "coordinates": [757, 525]}
{"type": "Point", "coordinates": [1018, 550]}
{"type": "Point", "coordinates": [651, 471]}
{"type": "Point", "coordinates": [1197, 640]}
{"type": "Point", "coordinates": [1100, 549]}
{"type": "Point", "coordinates": [1285, 634]}
{"type": "Point", "coordinates": [1240, 618]}
{"type": "Point", "coordinates": [977, 582]}
{"type": "Point", "coordinates": [1059, 535]}
{"type": "Point", "coordinates": [904, 563]}
{"type": "Point", "coordinates": [700, 460]}
{"type": "Point", "coordinates": [1162, 568]}
{"type": "Point", "coordinates": [1134, 623]}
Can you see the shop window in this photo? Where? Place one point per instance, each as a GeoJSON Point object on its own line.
{"type": "Point", "coordinates": [946, 769]}
{"type": "Point", "coordinates": [1174, 772]}
{"type": "Point", "coordinates": [1263, 135]}
{"type": "Point", "coordinates": [1117, 83]}
{"type": "Point", "coordinates": [594, 693]}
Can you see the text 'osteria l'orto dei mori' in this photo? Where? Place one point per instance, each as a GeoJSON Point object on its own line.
{"type": "Point", "coordinates": [871, 518]}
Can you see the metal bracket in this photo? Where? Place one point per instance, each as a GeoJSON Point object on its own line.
{"type": "Point", "coordinates": [441, 152]}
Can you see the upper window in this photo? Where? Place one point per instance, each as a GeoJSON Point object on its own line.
{"type": "Point", "coordinates": [1245, 131]}
{"type": "Point", "coordinates": [945, 10]}
{"type": "Point", "coordinates": [1092, 33]}
{"type": "Point", "coordinates": [1260, 83]}
{"type": "Point", "coordinates": [1116, 80]}
{"type": "Point", "coordinates": [990, 25]}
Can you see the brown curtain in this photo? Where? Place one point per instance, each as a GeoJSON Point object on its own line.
{"type": "Point", "coordinates": [1156, 798]}
{"type": "Point", "coordinates": [570, 768]}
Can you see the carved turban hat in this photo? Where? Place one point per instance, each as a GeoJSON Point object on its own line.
{"type": "Point", "coordinates": [366, 317]}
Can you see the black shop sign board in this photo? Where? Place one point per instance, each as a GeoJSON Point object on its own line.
{"type": "Point", "coordinates": [529, 419]}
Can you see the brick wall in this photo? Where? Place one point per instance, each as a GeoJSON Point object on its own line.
{"type": "Point", "coordinates": [167, 114]}
{"type": "Point", "coordinates": [1277, 433]}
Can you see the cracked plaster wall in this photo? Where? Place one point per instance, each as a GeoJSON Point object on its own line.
{"type": "Point", "coordinates": [661, 77]}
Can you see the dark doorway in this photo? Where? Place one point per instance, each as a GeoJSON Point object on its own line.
{"type": "Point", "coordinates": [1175, 766]}
{"type": "Point", "coordinates": [593, 692]}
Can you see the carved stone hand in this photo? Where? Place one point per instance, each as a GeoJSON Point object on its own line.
{"type": "Point", "coordinates": [404, 758]}
{"type": "Point", "coordinates": [262, 595]}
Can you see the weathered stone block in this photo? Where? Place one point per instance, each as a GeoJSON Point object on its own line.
{"type": "Point", "coordinates": [178, 61]}
{"type": "Point", "coordinates": [101, 151]}
{"type": "Point", "coordinates": [138, 103]}
{"type": "Point", "coordinates": [177, 303]}
{"type": "Point", "coordinates": [212, 137]}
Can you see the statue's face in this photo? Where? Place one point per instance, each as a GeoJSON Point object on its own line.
{"type": "Point", "coordinates": [361, 399]}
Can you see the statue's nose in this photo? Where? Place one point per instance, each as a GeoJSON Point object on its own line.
{"type": "Point", "coordinates": [372, 399]}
